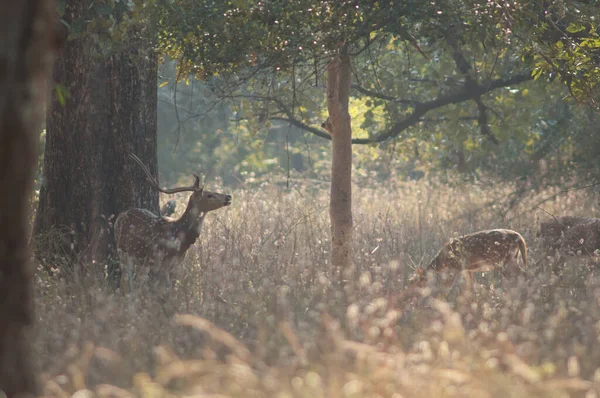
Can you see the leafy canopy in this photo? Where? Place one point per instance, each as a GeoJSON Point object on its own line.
{"type": "Point", "coordinates": [562, 39]}
{"type": "Point", "coordinates": [214, 37]}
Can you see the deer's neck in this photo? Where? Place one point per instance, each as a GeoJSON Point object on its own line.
{"type": "Point", "coordinates": [190, 225]}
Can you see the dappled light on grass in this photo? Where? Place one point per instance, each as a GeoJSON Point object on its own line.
{"type": "Point", "coordinates": [259, 312]}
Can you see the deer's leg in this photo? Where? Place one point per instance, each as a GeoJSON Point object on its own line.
{"type": "Point", "coordinates": [159, 279]}
{"type": "Point", "coordinates": [124, 283]}
{"type": "Point", "coordinates": [512, 266]}
{"type": "Point", "coordinates": [471, 280]}
{"type": "Point", "coordinates": [135, 273]}
{"type": "Point", "coordinates": [164, 288]}
{"type": "Point", "coordinates": [124, 267]}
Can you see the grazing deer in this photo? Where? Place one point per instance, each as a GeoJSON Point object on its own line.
{"type": "Point", "coordinates": [150, 244]}
{"type": "Point", "coordinates": [571, 236]}
{"type": "Point", "coordinates": [479, 251]}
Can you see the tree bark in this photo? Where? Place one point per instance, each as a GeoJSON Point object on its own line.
{"type": "Point", "coordinates": [27, 43]}
{"type": "Point", "coordinates": [110, 111]}
{"type": "Point", "coordinates": [339, 78]}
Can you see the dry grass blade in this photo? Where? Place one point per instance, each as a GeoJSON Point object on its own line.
{"type": "Point", "coordinates": [358, 348]}
{"type": "Point", "coordinates": [454, 331]}
{"type": "Point", "coordinates": [521, 369]}
{"type": "Point", "coordinates": [292, 339]}
{"type": "Point", "coordinates": [568, 384]}
{"type": "Point", "coordinates": [110, 391]}
{"type": "Point", "coordinates": [108, 356]}
{"type": "Point", "coordinates": [53, 389]}
{"type": "Point", "coordinates": [165, 355]}
{"type": "Point", "coordinates": [217, 334]}
{"type": "Point", "coordinates": [453, 375]}
{"type": "Point", "coordinates": [85, 393]}
{"type": "Point", "coordinates": [182, 369]}
{"type": "Point", "coordinates": [146, 387]}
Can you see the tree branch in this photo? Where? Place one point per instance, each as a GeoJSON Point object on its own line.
{"type": "Point", "coordinates": [289, 115]}
{"type": "Point", "coordinates": [377, 94]}
{"type": "Point", "coordinates": [482, 120]}
{"type": "Point", "coordinates": [416, 116]}
{"type": "Point", "coordinates": [303, 126]}
{"type": "Point", "coordinates": [447, 119]}
{"type": "Point", "coordinates": [422, 108]}
{"type": "Point", "coordinates": [471, 85]}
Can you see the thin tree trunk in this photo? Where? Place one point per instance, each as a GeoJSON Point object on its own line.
{"type": "Point", "coordinates": [110, 110]}
{"type": "Point", "coordinates": [27, 42]}
{"type": "Point", "coordinates": [339, 78]}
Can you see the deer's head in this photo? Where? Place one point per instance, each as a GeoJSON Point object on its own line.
{"type": "Point", "coordinates": [419, 278]}
{"type": "Point", "coordinates": [205, 201]}
{"type": "Point", "coordinates": [201, 200]}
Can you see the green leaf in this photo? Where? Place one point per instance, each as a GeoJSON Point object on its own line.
{"type": "Point", "coordinates": [574, 28]}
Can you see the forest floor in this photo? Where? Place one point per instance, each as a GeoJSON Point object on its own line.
{"type": "Point", "coordinates": [260, 313]}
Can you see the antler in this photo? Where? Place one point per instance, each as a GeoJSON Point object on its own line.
{"type": "Point", "coordinates": [154, 182]}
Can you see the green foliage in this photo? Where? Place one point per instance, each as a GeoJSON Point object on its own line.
{"type": "Point", "coordinates": [223, 141]}
{"type": "Point", "coordinates": [262, 63]}
{"type": "Point", "coordinates": [111, 25]}
{"type": "Point", "coordinates": [216, 37]}
{"type": "Point", "coordinates": [563, 40]}
{"type": "Point", "coordinates": [266, 60]}
{"type": "Point", "coordinates": [254, 140]}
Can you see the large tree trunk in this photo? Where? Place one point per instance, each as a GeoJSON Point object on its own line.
{"type": "Point", "coordinates": [27, 34]}
{"type": "Point", "coordinates": [339, 78]}
{"type": "Point", "coordinates": [110, 110]}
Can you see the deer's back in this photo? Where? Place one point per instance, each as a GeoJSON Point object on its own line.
{"type": "Point", "coordinates": [488, 246]}
{"type": "Point", "coordinates": [490, 240]}
{"type": "Point", "coordinates": [140, 233]}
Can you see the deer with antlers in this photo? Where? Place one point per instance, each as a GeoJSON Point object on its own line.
{"type": "Point", "coordinates": [478, 252]}
{"type": "Point", "coordinates": [151, 245]}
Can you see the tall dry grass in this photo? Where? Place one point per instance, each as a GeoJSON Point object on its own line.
{"type": "Point", "coordinates": [259, 311]}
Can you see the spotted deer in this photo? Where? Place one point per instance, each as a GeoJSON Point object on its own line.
{"type": "Point", "coordinates": [154, 246]}
{"type": "Point", "coordinates": [571, 236]}
{"type": "Point", "coordinates": [478, 252]}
